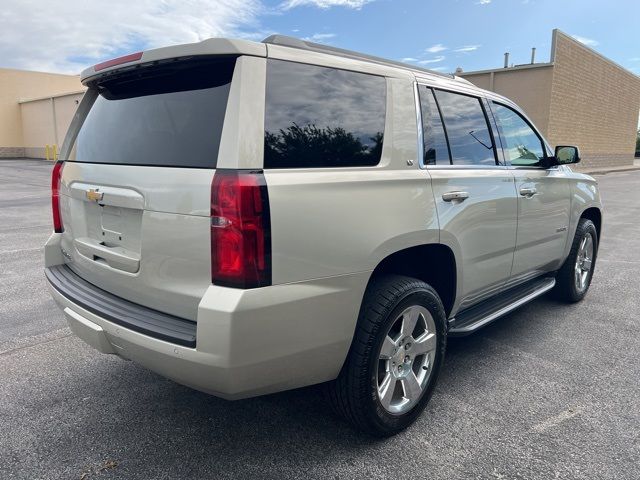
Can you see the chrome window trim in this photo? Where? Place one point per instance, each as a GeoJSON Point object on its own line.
{"type": "Point", "coordinates": [532, 167]}
{"type": "Point", "coordinates": [466, 167]}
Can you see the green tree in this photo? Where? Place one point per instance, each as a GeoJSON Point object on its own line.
{"type": "Point", "coordinates": [329, 146]}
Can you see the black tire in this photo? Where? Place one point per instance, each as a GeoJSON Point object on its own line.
{"type": "Point", "coordinates": [567, 289]}
{"type": "Point", "coordinates": [354, 394]}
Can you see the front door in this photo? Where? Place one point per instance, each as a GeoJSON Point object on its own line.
{"type": "Point", "coordinates": [543, 197]}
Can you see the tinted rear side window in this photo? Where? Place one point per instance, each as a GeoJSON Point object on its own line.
{"type": "Point", "coordinates": [169, 116]}
{"type": "Point", "coordinates": [467, 130]}
{"type": "Point", "coordinates": [434, 139]}
{"type": "Point", "coordinates": [322, 117]}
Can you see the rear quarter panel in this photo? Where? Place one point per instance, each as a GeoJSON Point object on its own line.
{"type": "Point", "coordinates": [336, 221]}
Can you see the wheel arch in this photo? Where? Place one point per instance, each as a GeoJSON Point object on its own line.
{"type": "Point", "coordinates": [433, 263]}
{"type": "Point", "coordinates": [595, 215]}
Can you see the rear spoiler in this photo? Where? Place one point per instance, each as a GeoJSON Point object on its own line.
{"type": "Point", "coordinates": [212, 46]}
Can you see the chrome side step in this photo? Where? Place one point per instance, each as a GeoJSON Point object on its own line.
{"type": "Point", "coordinates": [477, 316]}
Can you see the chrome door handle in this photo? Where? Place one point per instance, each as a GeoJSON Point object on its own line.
{"type": "Point", "coordinates": [528, 191]}
{"type": "Point", "coordinates": [451, 196]}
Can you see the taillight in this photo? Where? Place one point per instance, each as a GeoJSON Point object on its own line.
{"type": "Point", "coordinates": [56, 176]}
{"type": "Point", "coordinates": [240, 229]}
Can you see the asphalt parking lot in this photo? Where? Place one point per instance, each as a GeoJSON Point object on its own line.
{"type": "Point", "coordinates": [550, 391]}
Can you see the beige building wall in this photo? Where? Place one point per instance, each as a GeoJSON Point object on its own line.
{"type": "Point", "coordinates": [45, 122]}
{"type": "Point", "coordinates": [594, 104]}
{"type": "Point", "coordinates": [16, 85]}
{"type": "Point", "coordinates": [528, 85]}
{"type": "Point", "coordinates": [579, 98]}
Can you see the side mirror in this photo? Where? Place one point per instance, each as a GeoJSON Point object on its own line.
{"type": "Point", "coordinates": [565, 155]}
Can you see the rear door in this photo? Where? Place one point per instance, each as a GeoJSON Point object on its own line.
{"type": "Point", "coordinates": [474, 193]}
{"type": "Point", "coordinates": [136, 191]}
{"type": "Point", "coordinates": [544, 198]}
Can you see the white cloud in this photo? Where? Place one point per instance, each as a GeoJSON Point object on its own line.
{"type": "Point", "coordinates": [320, 37]}
{"type": "Point", "coordinates": [437, 59]}
{"type": "Point", "coordinates": [467, 48]}
{"type": "Point", "coordinates": [441, 69]}
{"type": "Point", "coordinates": [85, 32]}
{"type": "Point", "coordinates": [355, 4]}
{"type": "Point", "coordinates": [408, 59]}
{"type": "Point", "coordinates": [436, 48]}
{"type": "Point", "coordinates": [586, 41]}
{"type": "Point", "coordinates": [483, 2]}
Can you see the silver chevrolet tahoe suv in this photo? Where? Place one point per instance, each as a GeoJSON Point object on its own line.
{"type": "Point", "coordinates": [246, 218]}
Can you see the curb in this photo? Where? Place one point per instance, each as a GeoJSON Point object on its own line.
{"type": "Point", "coordinates": [604, 171]}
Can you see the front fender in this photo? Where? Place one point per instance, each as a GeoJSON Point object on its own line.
{"type": "Point", "coordinates": [585, 194]}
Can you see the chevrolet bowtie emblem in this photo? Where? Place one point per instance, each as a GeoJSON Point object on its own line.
{"type": "Point", "coordinates": [94, 195]}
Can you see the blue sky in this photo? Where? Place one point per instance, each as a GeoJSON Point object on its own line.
{"type": "Point", "coordinates": [443, 35]}
{"type": "Point", "coordinates": [474, 33]}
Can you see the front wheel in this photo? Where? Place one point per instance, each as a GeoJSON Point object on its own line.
{"type": "Point", "coordinates": [395, 358]}
{"type": "Point", "coordinates": [574, 277]}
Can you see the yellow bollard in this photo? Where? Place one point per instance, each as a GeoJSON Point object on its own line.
{"type": "Point", "coordinates": [46, 151]}
{"type": "Point", "coordinates": [55, 152]}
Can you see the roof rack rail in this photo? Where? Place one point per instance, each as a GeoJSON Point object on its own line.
{"type": "Point", "coordinates": [293, 42]}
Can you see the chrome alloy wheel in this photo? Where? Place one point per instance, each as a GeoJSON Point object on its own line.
{"type": "Point", "coordinates": [406, 359]}
{"type": "Point", "coordinates": [584, 263]}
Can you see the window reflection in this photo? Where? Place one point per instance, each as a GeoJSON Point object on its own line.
{"type": "Point", "coordinates": [434, 140]}
{"type": "Point", "coordinates": [322, 117]}
{"type": "Point", "coordinates": [467, 130]}
{"type": "Point", "coordinates": [523, 146]}
{"type": "Point", "coordinates": [173, 122]}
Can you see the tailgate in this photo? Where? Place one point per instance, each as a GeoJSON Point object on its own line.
{"type": "Point", "coordinates": [141, 233]}
{"type": "Point", "coordinates": [135, 197]}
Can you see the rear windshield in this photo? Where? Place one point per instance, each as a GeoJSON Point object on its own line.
{"type": "Point", "coordinates": [169, 116]}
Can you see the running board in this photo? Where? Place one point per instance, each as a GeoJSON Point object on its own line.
{"type": "Point", "coordinates": [473, 318]}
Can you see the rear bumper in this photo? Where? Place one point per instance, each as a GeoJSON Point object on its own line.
{"type": "Point", "coordinates": [120, 311]}
{"type": "Point", "coordinates": [248, 342]}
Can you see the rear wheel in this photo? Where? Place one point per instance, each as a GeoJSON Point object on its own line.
{"type": "Point", "coordinates": [574, 277]}
{"type": "Point", "coordinates": [395, 357]}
